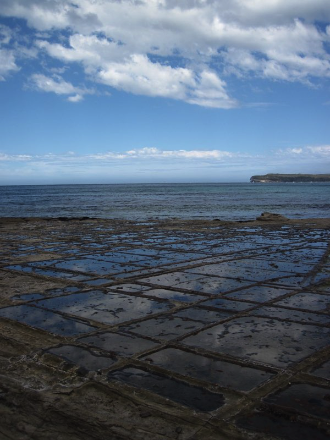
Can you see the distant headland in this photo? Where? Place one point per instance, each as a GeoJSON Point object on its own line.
{"type": "Point", "coordinates": [270, 178]}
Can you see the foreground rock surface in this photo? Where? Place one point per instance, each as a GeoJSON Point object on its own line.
{"type": "Point", "coordinates": [164, 330]}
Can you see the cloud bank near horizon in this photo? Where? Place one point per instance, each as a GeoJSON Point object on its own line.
{"type": "Point", "coordinates": [175, 49]}
{"type": "Point", "coordinates": [152, 164]}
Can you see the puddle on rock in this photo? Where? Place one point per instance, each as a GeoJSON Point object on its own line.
{"type": "Point", "coordinates": [201, 315]}
{"type": "Point", "coordinates": [303, 398]}
{"type": "Point", "coordinates": [322, 371]}
{"type": "Point", "coordinates": [234, 270]}
{"type": "Point", "coordinates": [296, 256]}
{"type": "Point", "coordinates": [121, 344]}
{"type": "Point", "coordinates": [27, 297]}
{"type": "Point", "coordinates": [226, 304]}
{"type": "Point", "coordinates": [135, 273]}
{"type": "Point", "coordinates": [20, 268]}
{"type": "Point", "coordinates": [199, 283]}
{"type": "Point", "coordinates": [130, 287]}
{"type": "Point", "coordinates": [173, 295]}
{"type": "Point", "coordinates": [213, 285]}
{"type": "Point", "coordinates": [59, 274]}
{"type": "Point", "coordinates": [284, 427]}
{"type": "Point", "coordinates": [308, 301]}
{"type": "Point", "coordinates": [275, 265]}
{"type": "Point", "coordinates": [292, 315]}
{"type": "Point", "coordinates": [120, 258]}
{"type": "Point", "coordinates": [82, 357]}
{"type": "Point", "coordinates": [193, 397]}
{"type": "Point", "coordinates": [91, 266]}
{"type": "Point", "coordinates": [108, 308]}
{"type": "Point", "coordinates": [223, 373]}
{"type": "Point", "coordinates": [164, 328]}
{"type": "Point", "coordinates": [98, 282]}
{"type": "Point", "coordinates": [264, 340]}
{"type": "Point", "coordinates": [48, 272]}
{"type": "Point", "coordinates": [295, 281]}
{"type": "Point", "coordinates": [171, 279]}
{"type": "Point", "coordinates": [323, 275]}
{"type": "Point", "coordinates": [68, 289]}
{"type": "Point", "coordinates": [259, 293]}
{"type": "Point", "coordinates": [154, 253]}
{"type": "Point", "coordinates": [45, 320]}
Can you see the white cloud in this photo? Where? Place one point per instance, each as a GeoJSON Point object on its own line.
{"type": "Point", "coordinates": [39, 14]}
{"type": "Point", "coordinates": [210, 92]}
{"type": "Point", "coordinates": [58, 86]}
{"type": "Point", "coordinates": [322, 151]}
{"type": "Point", "coordinates": [7, 56]}
{"type": "Point", "coordinates": [129, 45]}
{"type": "Point", "coordinates": [5, 34]}
{"type": "Point", "coordinates": [139, 75]}
{"type": "Point", "coordinates": [317, 152]}
{"type": "Point", "coordinates": [281, 11]}
{"type": "Point", "coordinates": [7, 63]}
{"type": "Point", "coordinates": [292, 52]}
{"type": "Point", "coordinates": [75, 98]}
{"type": "Point", "coordinates": [15, 157]}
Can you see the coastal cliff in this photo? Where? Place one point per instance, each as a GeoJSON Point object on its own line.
{"type": "Point", "coordinates": [270, 178]}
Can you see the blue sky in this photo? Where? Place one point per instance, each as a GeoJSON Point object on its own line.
{"type": "Point", "coordinates": [163, 90]}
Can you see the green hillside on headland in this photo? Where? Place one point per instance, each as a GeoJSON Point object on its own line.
{"type": "Point", "coordinates": [269, 178]}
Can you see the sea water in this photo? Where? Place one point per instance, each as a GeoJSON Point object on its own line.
{"type": "Point", "coordinates": [224, 201]}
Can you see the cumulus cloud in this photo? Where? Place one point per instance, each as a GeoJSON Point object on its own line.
{"type": "Point", "coordinates": [322, 151]}
{"type": "Point", "coordinates": [140, 76]}
{"type": "Point", "coordinates": [7, 56]}
{"type": "Point", "coordinates": [15, 157]}
{"type": "Point", "coordinates": [58, 86]}
{"type": "Point", "coordinates": [316, 152]}
{"type": "Point", "coordinates": [180, 49]}
{"type": "Point", "coordinates": [7, 63]}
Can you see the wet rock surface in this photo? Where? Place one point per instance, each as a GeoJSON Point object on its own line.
{"type": "Point", "coordinates": [164, 330]}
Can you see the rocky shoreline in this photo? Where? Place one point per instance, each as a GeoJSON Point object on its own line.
{"type": "Point", "coordinates": [291, 178]}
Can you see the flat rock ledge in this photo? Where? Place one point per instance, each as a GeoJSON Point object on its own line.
{"type": "Point", "coordinates": [164, 330]}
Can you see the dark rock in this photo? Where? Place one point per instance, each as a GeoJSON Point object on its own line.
{"type": "Point", "coordinates": [269, 217]}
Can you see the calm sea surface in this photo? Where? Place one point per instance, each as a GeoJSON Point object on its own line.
{"type": "Point", "coordinates": [232, 201]}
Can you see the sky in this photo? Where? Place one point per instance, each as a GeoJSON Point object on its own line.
{"type": "Point", "coordinates": [141, 91]}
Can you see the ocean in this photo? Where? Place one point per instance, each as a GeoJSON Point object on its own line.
{"type": "Point", "coordinates": [139, 202]}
